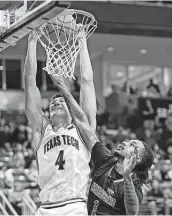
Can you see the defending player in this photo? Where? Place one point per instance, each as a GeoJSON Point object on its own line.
{"type": "Point", "coordinates": [116, 181]}
{"type": "Point", "coordinates": [62, 150]}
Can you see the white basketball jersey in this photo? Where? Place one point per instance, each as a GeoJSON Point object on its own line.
{"type": "Point", "coordinates": [63, 163]}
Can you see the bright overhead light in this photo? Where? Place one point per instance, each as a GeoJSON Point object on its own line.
{"type": "Point", "coordinates": [119, 74]}
{"type": "Point", "coordinates": [110, 49]}
{"type": "Point", "coordinates": [143, 51]}
{"type": "Point", "coordinates": [131, 68]}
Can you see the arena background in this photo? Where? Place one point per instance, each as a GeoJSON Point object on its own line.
{"type": "Point", "coordinates": [131, 54]}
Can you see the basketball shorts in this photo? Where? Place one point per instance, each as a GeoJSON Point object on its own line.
{"type": "Point", "coordinates": [70, 209]}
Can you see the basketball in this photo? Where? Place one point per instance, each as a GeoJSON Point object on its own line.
{"type": "Point", "coordinates": [67, 23]}
{"type": "Point", "coordinates": [66, 18]}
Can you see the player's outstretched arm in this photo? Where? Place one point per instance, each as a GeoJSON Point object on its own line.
{"type": "Point", "coordinates": [32, 95]}
{"type": "Point", "coordinates": [77, 114]}
{"type": "Point", "coordinates": [87, 91]}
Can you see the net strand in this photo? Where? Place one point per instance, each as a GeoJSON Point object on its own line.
{"type": "Point", "coordinates": [62, 41]}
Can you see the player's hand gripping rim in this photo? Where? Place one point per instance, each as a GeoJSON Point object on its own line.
{"type": "Point", "coordinates": [34, 35]}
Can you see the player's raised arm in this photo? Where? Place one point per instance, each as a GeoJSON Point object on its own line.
{"type": "Point", "coordinates": [87, 91]}
{"type": "Point", "coordinates": [78, 115]}
{"type": "Point", "coordinates": [32, 95]}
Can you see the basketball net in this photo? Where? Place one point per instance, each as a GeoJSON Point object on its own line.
{"type": "Point", "coordinates": [61, 38]}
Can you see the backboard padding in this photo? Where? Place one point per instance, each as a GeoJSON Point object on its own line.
{"type": "Point", "coordinates": [32, 20]}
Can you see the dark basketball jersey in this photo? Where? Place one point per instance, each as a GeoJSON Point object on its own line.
{"type": "Point", "coordinates": [106, 195]}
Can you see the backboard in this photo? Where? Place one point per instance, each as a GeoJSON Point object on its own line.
{"type": "Point", "coordinates": [10, 4]}
{"type": "Point", "coordinates": [25, 16]}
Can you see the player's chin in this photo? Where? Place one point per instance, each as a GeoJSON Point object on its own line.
{"type": "Point", "coordinates": [57, 113]}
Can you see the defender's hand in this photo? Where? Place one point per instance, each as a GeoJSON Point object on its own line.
{"type": "Point", "coordinates": [130, 161]}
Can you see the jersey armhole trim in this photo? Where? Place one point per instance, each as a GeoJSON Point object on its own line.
{"type": "Point", "coordinates": [36, 156]}
{"type": "Point", "coordinates": [42, 136]}
{"type": "Point", "coordinates": [79, 134]}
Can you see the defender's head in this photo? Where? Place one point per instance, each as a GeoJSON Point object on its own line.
{"type": "Point", "coordinates": [145, 154]}
{"type": "Point", "coordinates": [58, 108]}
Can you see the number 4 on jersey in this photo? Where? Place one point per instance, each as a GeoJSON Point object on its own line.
{"type": "Point", "coordinates": [60, 160]}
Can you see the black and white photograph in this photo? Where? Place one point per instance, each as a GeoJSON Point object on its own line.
{"type": "Point", "coordinates": [85, 107]}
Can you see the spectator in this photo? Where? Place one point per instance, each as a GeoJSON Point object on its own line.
{"type": "Point", "coordinates": [17, 160]}
{"type": "Point", "coordinates": [169, 151]}
{"type": "Point", "coordinates": [12, 128]}
{"type": "Point", "coordinates": [146, 132]}
{"type": "Point", "coordinates": [159, 154]}
{"type": "Point", "coordinates": [2, 175]}
{"type": "Point", "coordinates": [7, 175]}
{"type": "Point", "coordinates": [153, 89]}
{"type": "Point", "coordinates": [15, 196]}
{"type": "Point", "coordinates": [166, 137]}
{"type": "Point", "coordinates": [19, 135]}
{"type": "Point", "coordinates": [2, 124]}
{"type": "Point", "coordinates": [28, 143]}
{"type": "Point", "coordinates": [8, 148]}
{"type": "Point", "coordinates": [169, 93]}
{"type": "Point", "coordinates": [4, 134]}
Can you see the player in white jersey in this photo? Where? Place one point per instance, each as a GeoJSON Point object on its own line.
{"type": "Point", "coordinates": [62, 155]}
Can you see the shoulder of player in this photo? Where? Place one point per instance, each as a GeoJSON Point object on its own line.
{"type": "Point", "coordinates": [101, 148]}
{"type": "Point", "coordinates": [41, 128]}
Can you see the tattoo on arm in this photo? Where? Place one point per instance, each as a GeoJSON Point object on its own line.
{"type": "Point", "coordinates": [130, 197]}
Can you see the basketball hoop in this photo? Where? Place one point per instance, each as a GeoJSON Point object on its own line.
{"type": "Point", "coordinates": [61, 39]}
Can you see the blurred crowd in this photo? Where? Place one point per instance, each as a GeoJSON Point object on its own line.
{"type": "Point", "coordinates": [18, 166]}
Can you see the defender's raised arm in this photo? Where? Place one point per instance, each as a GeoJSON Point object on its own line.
{"type": "Point", "coordinates": [87, 92]}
